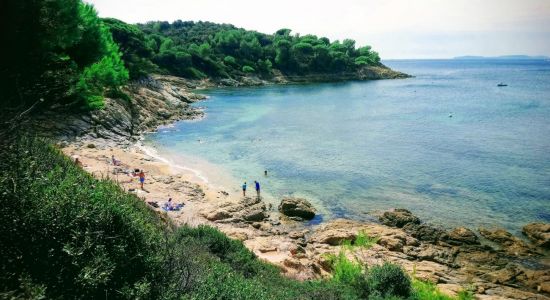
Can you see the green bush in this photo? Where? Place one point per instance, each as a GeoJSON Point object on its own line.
{"type": "Point", "coordinates": [65, 234]}
{"type": "Point", "coordinates": [388, 280]}
{"type": "Point", "coordinates": [346, 271]}
{"type": "Point", "coordinates": [248, 69]}
{"type": "Point", "coordinates": [426, 290]}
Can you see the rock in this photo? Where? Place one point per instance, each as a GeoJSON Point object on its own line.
{"type": "Point", "coordinates": [91, 146]}
{"type": "Point", "coordinates": [424, 232]}
{"type": "Point", "coordinates": [545, 287]}
{"type": "Point", "coordinates": [325, 262]}
{"type": "Point", "coordinates": [391, 243]}
{"type": "Point", "coordinates": [450, 289]}
{"type": "Point", "coordinates": [297, 249]}
{"type": "Point", "coordinates": [462, 236]}
{"type": "Point", "coordinates": [505, 275]}
{"type": "Point", "coordinates": [297, 207]}
{"type": "Point", "coordinates": [265, 249]}
{"type": "Point", "coordinates": [241, 236]}
{"type": "Point", "coordinates": [254, 215]}
{"type": "Point", "coordinates": [509, 243]}
{"type": "Point", "coordinates": [218, 215]}
{"type": "Point", "coordinates": [297, 234]}
{"type": "Point", "coordinates": [292, 263]}
{"type": "Point", "coordinates": [539, 233]}
{"type": "Point", "coordinates": [333, 237]}
{"type": "Point", "coordinates": [398, 218]}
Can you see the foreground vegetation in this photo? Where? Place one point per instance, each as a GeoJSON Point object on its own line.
{"type": "Point", "coordinates": [66, 234]}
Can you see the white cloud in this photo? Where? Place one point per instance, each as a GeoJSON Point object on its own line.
{"type": "Point", "coordinates": [396, 28]}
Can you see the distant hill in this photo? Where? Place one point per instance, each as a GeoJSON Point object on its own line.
{"type": "Point", "coordinates": [510, 57]}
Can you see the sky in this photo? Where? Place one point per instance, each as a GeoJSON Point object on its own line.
{"type": "Point", "coordinates": [394, 28]}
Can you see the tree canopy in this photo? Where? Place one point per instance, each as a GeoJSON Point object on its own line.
{"type": "Point", "coordinates": [201, 49]}
{"type": "Point", "coordinates": [57, 52]}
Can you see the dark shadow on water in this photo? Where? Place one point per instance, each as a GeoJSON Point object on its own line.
{"type": "Point", "coordinates": [544, 216]}
{"type": "Point", "coordinates": [318, 219]}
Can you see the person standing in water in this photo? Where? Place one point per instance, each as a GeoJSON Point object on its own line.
{"type": "Point", "coordinates": [257, 188]}
{"type": "Point", "coordinates": [265, 173]}
{"type": "Point", "coordinates": [244, 189]}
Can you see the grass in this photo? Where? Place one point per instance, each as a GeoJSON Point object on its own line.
{"type": "Point", "coordinates": [363, 241]}
{"type": "Point", "coordinates": [426, 290]}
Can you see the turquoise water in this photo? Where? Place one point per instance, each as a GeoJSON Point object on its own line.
{"type": "Point", "coordinates": [355, 148]}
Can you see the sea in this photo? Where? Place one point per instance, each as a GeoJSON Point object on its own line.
{"type": "Point", "coordinates": [448, 144]}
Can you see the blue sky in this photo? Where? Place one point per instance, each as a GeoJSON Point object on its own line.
{"type": "Point", "coordinates": [395, 28]}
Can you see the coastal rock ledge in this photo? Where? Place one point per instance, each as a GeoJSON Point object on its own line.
{"type": "Point", "coordinates": [297, 208]}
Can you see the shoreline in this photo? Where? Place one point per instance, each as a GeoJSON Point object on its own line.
{"type": "Point", "coordinates": [297, 248]}
{"type": "Point", "coordinates": [454, 260]}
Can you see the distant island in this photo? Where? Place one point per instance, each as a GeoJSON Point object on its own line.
{"type": "Point", "coordinates": [503, 57]}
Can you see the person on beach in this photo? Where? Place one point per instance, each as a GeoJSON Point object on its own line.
{"type": "Point", "coordinates": [244, 189]}
{"type": "Point", "coordinates": [257, 188]}
{"type": "Point", "coordinates": [168, 205]}
{"type": "Point", "coordinates": [141, 178]}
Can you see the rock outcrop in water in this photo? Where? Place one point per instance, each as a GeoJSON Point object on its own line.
{"type": "Point", "coordinates": [539, 233]}
{"type": "Point", "coordinates": [297, 208]}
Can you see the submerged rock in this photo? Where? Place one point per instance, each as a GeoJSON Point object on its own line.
{"type": "Point", "coordinates": [539, 233]}
{"type": "Point", "coordinates": [399, 217]}
{"type": "Point", "coordinates": [297, 207]}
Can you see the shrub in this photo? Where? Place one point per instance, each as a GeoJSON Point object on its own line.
{"type": "Point", "coordinates": [363, 240]}
{"type": "Point", "coordinates": [65, 234]}
{"type": "Point", "coordinates": [248, 69]}
{"type": "Point", "coordinates": [345, 270]}
{"type": "Point", "coordinates": [388, 280]}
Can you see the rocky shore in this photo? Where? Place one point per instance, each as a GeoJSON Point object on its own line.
{"type": "Point", "coordinates": [492, 263]}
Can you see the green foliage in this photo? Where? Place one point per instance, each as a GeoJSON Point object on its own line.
{"type": "Point", "coordinates": [346, 271]}
{"type": "Point", "coordinates": [65, 234]}
{"type": "Point", "coordinates": [388, 280]}
{"type": "Point", "coordinates": [426, 290]}
{"type": "Point", "coordinates": [136, 48]}
{"type": "Point", "coordinates": [221, 50]}
{"type": "Point", "coordinates": [248, 69]}
{"type": "Point", "coordinates": [363, 240]}
{"type": "Point", "coordinates": [56, 51]}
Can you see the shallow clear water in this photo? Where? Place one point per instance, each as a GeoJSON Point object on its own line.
{"type": "Point", "coordinates": [358, 147]}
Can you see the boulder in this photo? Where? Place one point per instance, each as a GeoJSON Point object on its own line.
{"type": "Point", "coordinates": [254, 215]}
{"type": "Point", "coordinates": [218, 215]}
{"type": "Point", "coordinates": [399, 217]}
{"type": "Point", "coordinates": [424, 232]}
{"type": "Point", "coordinates": [391, 243]}
{"type": "Point", "coordinates": [461, 236]}
{"type": "Point", "coordinates": [297, 207]}
{"type": "Point", "coordinates": [539, 233]}
{"type": "Point", "coordinates": [333, 237]}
